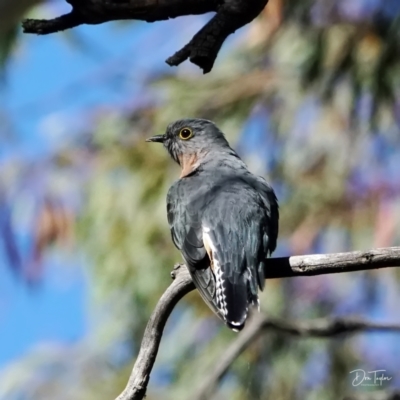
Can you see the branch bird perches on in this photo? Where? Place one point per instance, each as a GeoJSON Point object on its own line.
{"type": "Point", "coordinates": [284, 267]}
{"type": "Point", "coordinates": [201, 50]}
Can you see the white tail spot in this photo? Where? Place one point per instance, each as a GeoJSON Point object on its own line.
{"type": "Point", "coordinates": [220, 290]}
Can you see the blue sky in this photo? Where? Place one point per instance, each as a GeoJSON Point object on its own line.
{"type": "Point", "coordinates": [67, 75]}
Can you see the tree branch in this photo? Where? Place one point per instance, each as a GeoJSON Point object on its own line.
{"type": "Point", "coordinates": [284, 267]}
{"type": "Point", "coordinates": [258, 324]}
{"type": "Point", "coordinates": [320, 264]}
{"type": "Point", "coordinates": [43, 26]}
{"type": "Point", "coordinates": [137, 384]}
{"type": "Point", "coordinates": [202, 50]}
{"type": "Point", "coordinates": [378, 395]}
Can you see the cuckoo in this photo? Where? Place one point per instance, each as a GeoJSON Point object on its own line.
{"type": "Point", "coordinates": [223, 218]}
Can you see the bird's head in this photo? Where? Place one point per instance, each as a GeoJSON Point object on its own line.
{"type": "Point", "coordinates": [191, 141]}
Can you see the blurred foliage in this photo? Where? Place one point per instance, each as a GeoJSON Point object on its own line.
{"type": "Point", "coordinates": [10, 14]}
{"type": "Point", "coordinates": [309, 97]}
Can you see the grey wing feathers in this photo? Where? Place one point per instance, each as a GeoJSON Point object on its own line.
{"type": "Point", "coordinates": [238, 219]}
{"type": "Point", "coordinates": [186, 235]}
{"type": "Point", "coordinates": [271, 205]}
{"type": "Point", "coordinates": [236, 228]}
{"type": "Point", "coordinates": [175, 215]}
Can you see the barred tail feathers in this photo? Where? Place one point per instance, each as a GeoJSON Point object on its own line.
{"type": "Point", "coordinates": [233, 292]}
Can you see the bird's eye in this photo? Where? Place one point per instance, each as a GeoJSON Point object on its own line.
{"type": "Point", "coordinates": [185, 133]}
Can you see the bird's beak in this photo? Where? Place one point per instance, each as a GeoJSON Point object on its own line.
{"type": "Point", "coordinates": [156, 138]}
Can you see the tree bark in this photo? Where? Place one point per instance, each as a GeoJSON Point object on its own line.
{"type": "Point", "coordinates": [284, 267]}
{"type": "Point", "coordinates": [202, 50]}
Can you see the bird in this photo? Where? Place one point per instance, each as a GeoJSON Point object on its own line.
{"type": "Point", "coordinates": [222, 218]}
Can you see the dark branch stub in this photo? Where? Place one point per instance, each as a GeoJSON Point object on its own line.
{"type": "Point", "coordinates": [43, 26]}
{"type": "Point", "coordinates": [202, 50]}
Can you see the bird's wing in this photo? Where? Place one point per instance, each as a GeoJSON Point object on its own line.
{"type": "Point", "coordinates": [224, 239]}
{"type": "Point", "coordinates": [271, 227]}
{"type": "Point", "coordinates": [272, 209]}
{"type": "Point", "coordinates": [186, 232]}
{"type": "Point", "coordinates": [233, 234]}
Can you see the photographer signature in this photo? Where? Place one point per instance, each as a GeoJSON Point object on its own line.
{"type": "Point", "coordinates": [369, 378]}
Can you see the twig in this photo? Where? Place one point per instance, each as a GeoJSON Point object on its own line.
{"type": "Point", "coordinates": [275, 268]}
{"type": "Point", "coordinates": [379, 395]}
{"type": "Point", "coordinates": [258, 324]}
{"type": "Point", "coordinates": [252, 329]}
{"type": "Point", "coordinates": [202, 50]}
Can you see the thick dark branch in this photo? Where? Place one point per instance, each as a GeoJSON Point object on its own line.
{"type": "Point", "coordinates": [98, 11]}
{"type": "Point", "coordinates": [43, 26]}
{"type": "Point", "coordinates": [202, 50]}
{"type": "Point", "coordinates": [326, 327]}
{"type": "Point", "coordinates": [276, 268]}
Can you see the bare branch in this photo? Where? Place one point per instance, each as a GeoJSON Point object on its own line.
{"type": "Point", "coordinates": [275, 268]}
{"type": "Point", "coordinates": [258, 324]}
{"type": "Point", "coordinates": [137, 384]}
{"type": "Point", "coordinates": [320, 264]}
{"type": "Point", "coordinates": [43, 26]}
{"type": "Point", "coordinates": [202, 50]}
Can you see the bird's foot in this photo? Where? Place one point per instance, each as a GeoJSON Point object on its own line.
{"type": "Point", "coordinates": [174, 271]}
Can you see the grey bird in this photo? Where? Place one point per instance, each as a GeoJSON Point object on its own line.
{"type": "Point", "coordinates": [223, 219]}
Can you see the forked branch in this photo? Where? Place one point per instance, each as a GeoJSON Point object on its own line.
{"type": "Point", "coordinates": [202, 50]}
{"type": "Point", "coordinates": [275, 268]}
{"type": "Point", "coordinates": [258, 324]}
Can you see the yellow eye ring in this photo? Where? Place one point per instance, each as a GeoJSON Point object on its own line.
{"type": "Point", "coordinates": [185, 133]}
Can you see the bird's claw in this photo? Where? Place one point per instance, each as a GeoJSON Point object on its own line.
{"type": "Point", "coordinates": [173, 272]}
